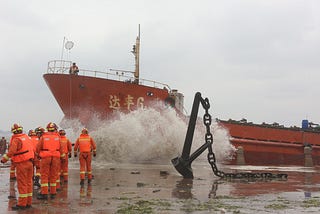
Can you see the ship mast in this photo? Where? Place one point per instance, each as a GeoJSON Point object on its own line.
{"type": "Point", "coordinates": [136, 53]}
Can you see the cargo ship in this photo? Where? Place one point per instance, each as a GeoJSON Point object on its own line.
{"type": "Point", "coordinates": [274, 144]}
{"type": "Point", "coordinates": [87, 94]}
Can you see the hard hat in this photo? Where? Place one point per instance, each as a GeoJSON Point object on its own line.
{"type": "Point", "coordinates": [84, 131]}
{"type": "Point", "coordinates": [62, 132]}
{"type": "Point", "coordinates": [39, 130]}
{"type": "Point", "coordinates": [51, 127]}
{"type": "Point", "coordinates": [16, 128]}
{"type": "Point", "coordinates": [31, 133]}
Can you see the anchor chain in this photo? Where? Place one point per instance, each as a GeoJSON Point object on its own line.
{"type": "Point", "coordinates": [212, 159]}
{"type": "Point", "coordinates": [209, 139]}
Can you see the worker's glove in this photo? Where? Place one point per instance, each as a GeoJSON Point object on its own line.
{"type": "Point", "coordinates": [69, 155]}
{"type": "Point", "coordinates": [94, 154]}
{"type": "Point", "coordinates": [75, 155]}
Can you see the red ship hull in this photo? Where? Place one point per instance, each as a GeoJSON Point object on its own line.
{"type": "Point", "coordinates": [82, 97]}
{"type": "Point", "coordinates": [267, 145]}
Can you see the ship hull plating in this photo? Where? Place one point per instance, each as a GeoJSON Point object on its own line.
{"type": "Point", "coordinates": [82, 97]}
{"type": "Point", "coordinates": [267, 145]}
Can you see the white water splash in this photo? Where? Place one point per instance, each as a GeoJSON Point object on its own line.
{"type": "Point", "coordinates": [148, 136]}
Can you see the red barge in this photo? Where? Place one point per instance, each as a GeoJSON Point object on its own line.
{"type": "Point", "coordinates": [94, 93]}
{"type": "Point", "coordinates": [272, 144]}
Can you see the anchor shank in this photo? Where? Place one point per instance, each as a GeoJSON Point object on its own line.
{"type": "Point", "coordinates": [192, 123]}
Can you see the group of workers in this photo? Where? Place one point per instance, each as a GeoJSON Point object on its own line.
{"type": "Point", "coordinates": [43, 155]}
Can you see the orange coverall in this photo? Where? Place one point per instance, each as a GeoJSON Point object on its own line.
{"type": "Point", "coordinates": [36, 160]}
{"type": "Point", "coordinates": [21, 154]}
{"type": "Point", "coordinates": [85, 144]}
{"type": "Point", "coordinates": [49, 149]}
{"type": "Point", "coordinates": [66, 149]}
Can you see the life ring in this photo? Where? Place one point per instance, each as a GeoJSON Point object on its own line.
{"type": "Point", "coordinates": [169, 101]}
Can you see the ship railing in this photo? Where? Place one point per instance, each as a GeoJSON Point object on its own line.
{"type": "Point", "coordinates": [62, 67]}
{"type": "Point", "coordinates": [59, 66]}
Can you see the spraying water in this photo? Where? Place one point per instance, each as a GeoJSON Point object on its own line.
{"type": "Point", "coordinates": [148, 136]}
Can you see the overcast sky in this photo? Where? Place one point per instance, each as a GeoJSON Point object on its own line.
{"type": "Point", "coordinates": [257, 60]}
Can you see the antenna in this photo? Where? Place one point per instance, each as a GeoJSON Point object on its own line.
{"type": "Point", "coordinates": [136, 53]}
{"type": "Point", "coordinates": [62, 50]}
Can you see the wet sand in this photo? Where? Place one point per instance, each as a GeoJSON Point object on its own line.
{"type": "Point", "coordinates": [153, 188]}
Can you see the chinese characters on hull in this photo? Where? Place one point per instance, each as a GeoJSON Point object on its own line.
{"type": "Point", "coordinates": [129, 102]}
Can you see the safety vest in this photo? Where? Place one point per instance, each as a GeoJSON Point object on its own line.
{"type": "Point", "coordinates": [26, 151]}
{"type": "Point", "coordinates": [84, 143]}
{"type": "Point", "coordinates": [64, 144]}
{"type": "Point", "coordinates": [51, 145]}
{"type": "Point", "coordinates": [35, 141]}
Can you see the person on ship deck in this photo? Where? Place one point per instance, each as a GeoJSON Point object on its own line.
{"type": "Point", "coordinates": [74, 69]}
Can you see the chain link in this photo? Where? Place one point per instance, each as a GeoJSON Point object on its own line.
{"type": "Point", "coordinates": [212, 159]}
{"type": "Point", "coordinates": [209, 140]}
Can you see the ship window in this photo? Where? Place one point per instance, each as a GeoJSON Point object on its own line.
{"type": "Point", "coordinates": [81, 86]}
{"type": "Point", "coordinates": [149, 93]}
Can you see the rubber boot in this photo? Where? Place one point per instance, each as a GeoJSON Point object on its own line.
{"type": "Point", "coordinates": [82, 182]}
{"type": "Point", "coordinates": [36, 181]}
{"type": "Point", "coordinates": [17, 207]}
{"type": "Point", "coordinates": [42, 197]}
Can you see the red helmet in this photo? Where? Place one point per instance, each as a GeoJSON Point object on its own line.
{"type": "Point", "coordinates": [62, 132]}
{"type": "Point", "coordinates": [51, 127]}
{"type": "Point", "coordinates": [16, 128]}
{"type": "Point", "coordinates": [84, 131]}
{"type": "Point", "coordinates": [31, 133]}
{"type": "Point", "coordinates": [39, 130]}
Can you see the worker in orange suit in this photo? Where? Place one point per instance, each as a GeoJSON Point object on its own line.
{"type": "Point", "coordinates": [66, 149]}
{"type": "Point", "coordinates": [49, 149]}
{"type": "Point", "coordinates": [36, 161]}
{"type": "Point", "coordinates": [21, 154]}
{"type": "Point", "coordinates": [85, 144]}
{"type": "Point", "coordinates": [39, 132]}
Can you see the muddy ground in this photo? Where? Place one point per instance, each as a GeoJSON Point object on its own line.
{"type": "Point", "coordinates": [153, 188]}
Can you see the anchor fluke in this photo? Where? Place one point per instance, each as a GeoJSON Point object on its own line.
{"type": "Point", "coordinates": [183, 167]}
